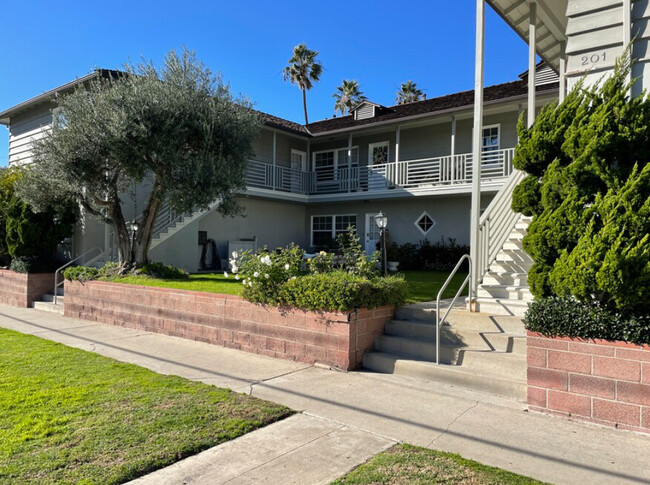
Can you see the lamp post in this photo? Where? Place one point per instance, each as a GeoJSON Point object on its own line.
{"type": "Point", "coordinates": [382, 223]}
{"type": "Point", "coordinates": [134, 228]}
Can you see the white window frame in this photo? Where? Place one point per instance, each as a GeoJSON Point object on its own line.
{"type": "Point", "coordinates": [425, 213]}
{"type": "Point", "coordinates": [336, 156]}
{"type": "Point", "coordinates": [333, 217]}
{"type": "Point", "coordinates": [488, 127]}
{"type": "Point", "coordinates": [371, 146]}
{"type": "Point", "coordinates": [304, 158]}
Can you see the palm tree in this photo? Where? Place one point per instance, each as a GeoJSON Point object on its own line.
{"type": "Point", "coordinates": [303, 70]}
{"type": "Point", "coordinates": [409, 93]}
{"type": "Point", "coordinates": [347, 95]}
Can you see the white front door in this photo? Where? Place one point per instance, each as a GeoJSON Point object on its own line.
{"type": "Point", "coordinates": [372, 234]}
{"type": "Point", "coordinates": [298, 166]}
{"type": "Point", "coordinates": [377, 165]}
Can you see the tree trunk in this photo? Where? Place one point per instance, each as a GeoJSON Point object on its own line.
{"type": "Point", "coordinates": [304, 104]}
{"type": "Point", "coordinates": [140, 250]}
{"type": "Point", "coordinates": [122, 234]}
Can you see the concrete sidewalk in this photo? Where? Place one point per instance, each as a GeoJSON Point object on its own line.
{"type": "Point", "coordinates": [374, 409]}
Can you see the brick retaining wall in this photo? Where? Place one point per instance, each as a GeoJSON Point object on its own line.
{"type": "Point", "coordinates": [332, 338]}
{"type": "Point", "coordinates": [593, 380]}
{"type": "Point", "coordinates": [21, 289]}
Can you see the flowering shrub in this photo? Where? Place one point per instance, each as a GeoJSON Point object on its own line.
{"type": "Point", "coordinates": [325, 281]}
{"type": "Point", "coordinates": [263, 273]}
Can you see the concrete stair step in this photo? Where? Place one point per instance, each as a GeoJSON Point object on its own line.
{"type": "Point", "coordinates": [506, 342]}
{"type": "Point", "coordinates": [416, 349]}
{"type": "Point", "coordinates": [503, 364]}
{"type": "Point", "coordinates": [509, 279]}
{"type": "Point", "coordinates": [459, 336]}
{"type": "Point", "coordinates": [449, 374]}
{"type": "Point", "coordinates": [522, 224]}
{"type": "Point", "coordinates": [49, 298]}
{"type": "Point", "coordinates": [48, 306]}
{"type": "Point", "coordinates": [460, 318]}
{"type": "Point", "coordinates": [510, 267]}
{"type": "Point", "coordinates": [504, 292]}
{"type": "Point", "coordinates": [514, 256]}
{"type": "Point", "coordinates": [513, 244]}
{"type": "Point", "coordinates": [500, 306]}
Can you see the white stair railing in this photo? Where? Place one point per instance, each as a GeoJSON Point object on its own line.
{"type": "Point", "coordinates": [496, 223]}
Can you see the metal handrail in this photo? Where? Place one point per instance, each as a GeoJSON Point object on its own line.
{"type": "Point", "coordinates": [56, 273]}
{"type": "Point", "coordinates": [440, 321]}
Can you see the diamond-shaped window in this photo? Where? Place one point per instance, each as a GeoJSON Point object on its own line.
{"type": "Point", "coordinates": [424, 223]}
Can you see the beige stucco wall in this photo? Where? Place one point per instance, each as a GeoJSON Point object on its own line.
{"type": "Point", "coordinates": [450, 213]}
{"type": "Point", "coordinates": [273, 224]}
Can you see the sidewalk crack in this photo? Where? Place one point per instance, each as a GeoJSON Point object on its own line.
{"type": "Point", "coordinates": [460, 415]}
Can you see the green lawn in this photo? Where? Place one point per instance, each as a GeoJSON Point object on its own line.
{"type": "Point", "coordinates": [70, 416]}
{"type": "Point", "coordinates": [423, 285]}
{"type": "Point", "coordinates": [207, 282]}
{"type": "Point", "coordinates": [406, 465]}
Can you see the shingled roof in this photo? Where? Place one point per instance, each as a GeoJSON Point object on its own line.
{"type": "Point", "coordinates": [433, 105]}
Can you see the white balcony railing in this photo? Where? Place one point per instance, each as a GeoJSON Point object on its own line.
{"type": "Point", "coordinates": [408, 174]}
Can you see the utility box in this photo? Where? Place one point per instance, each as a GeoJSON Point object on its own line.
{"type": "Point", "coordinates": [203, 237]}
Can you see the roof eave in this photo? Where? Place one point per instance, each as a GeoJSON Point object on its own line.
{"type": "Point", "coordinates": [431, 114]}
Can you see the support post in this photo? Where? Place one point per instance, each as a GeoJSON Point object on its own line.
{"type": "Point", "coordinates": [349, 180]}
{"type": "Point", "coordinates": [562, 71]}
{"type": "Point", "coordinates": [627, 36]}
{"type": "Point", "coordinates": [398, 170]}
{"type": "Point", "coordinates": [452, 149]}
{"type": "Point", "coordinates": [476, 143]}
{"type": "Point", "coordinates": [532, 53]}
{"type": "Point", "coordinates": [275, 135]}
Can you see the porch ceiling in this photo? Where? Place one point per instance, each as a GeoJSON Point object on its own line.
{"type": "Point", "coordinates": [551, 24]}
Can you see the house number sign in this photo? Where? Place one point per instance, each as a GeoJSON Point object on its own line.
{"type": "Point", "coordinates": [592, 59]}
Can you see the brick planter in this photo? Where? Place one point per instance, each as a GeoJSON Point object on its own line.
{"type": "Point", "coordinates": [21, 289]}
{"type": "Point", "coordinates": [593, 380]}
{"type": "Point", "coordinates": [333, 338]}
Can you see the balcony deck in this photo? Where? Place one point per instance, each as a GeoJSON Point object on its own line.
{"type": "Point", "coordinates": [429, 175]}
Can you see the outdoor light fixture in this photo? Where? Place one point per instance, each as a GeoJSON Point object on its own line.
{"type": "Point", "coordinates": [382, 223]}
{"type": "Point", "coordinates": [381, 220]}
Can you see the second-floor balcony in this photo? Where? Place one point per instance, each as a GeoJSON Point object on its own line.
{"type": "Point", "coordinates": [412, 175]}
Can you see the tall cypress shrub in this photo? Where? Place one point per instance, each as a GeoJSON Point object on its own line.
{"type": "Point", "coordinates": [588, 189]}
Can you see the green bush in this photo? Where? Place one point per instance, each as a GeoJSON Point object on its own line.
{"type": "Point", "coordinates": [30, 238]}
{"type": "Point", "coordinates": [80, 273]}
{"type": "Point", "coordinates": [589, 192]}
{"type": "Point", "coordinates": [155, 270]}
{"type": "Point", "coordinates": [567, 317]}
{"type": "Point", "coordinates": [440, 256]}
{"type": "Point", "coordinates": [339, 290]}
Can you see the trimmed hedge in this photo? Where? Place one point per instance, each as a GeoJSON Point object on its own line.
{"type": "Point", "coordinates": [567, 317]}
{"type": "Point", "coordinates": [341, 291]}
{"type": "Point", "coordinates": [442, 255]}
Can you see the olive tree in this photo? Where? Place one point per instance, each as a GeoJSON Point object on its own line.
{"type": "Point", "coordinates": [177, 127]}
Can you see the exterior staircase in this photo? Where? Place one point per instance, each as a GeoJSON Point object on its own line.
{"type": "Point", "coordinates": [168, 223]}
{"type": "Point", "coordinates": [478, 351]}
{"type": "Point", "coordinates": [46, 302]}
{"type": "Point", "coordinates": [504, 289]}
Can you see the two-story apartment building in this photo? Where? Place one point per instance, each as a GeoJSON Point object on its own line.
{"type": "Point", "coordinates": [308, 183]}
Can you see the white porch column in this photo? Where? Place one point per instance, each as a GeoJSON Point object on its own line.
{"type": "Point", "coordinates": [397, 141]}
{"type": "Point", "coordinates": [349, 181]}
{"type": "Point", "coordinates": [476, 145]}
{"type": "Point", "coordinates": [532, 52]}
{"type": "Point", "coordinates": [274, 157]}
{"type": "Point", "coordinates": [452, 150]}
{"type": "Point", "coordinates": [562, 71]}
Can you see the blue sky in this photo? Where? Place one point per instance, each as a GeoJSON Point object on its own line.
{"type": "Point", "coordinates": [379, 43]}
